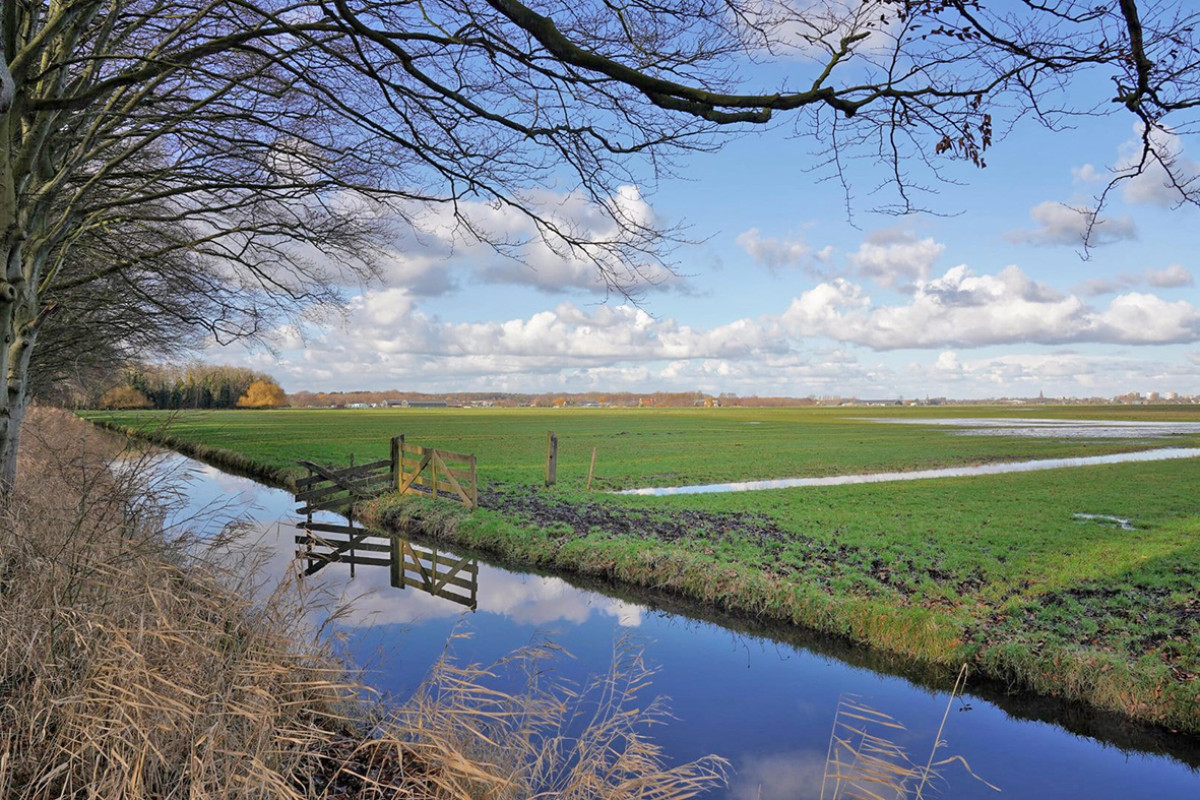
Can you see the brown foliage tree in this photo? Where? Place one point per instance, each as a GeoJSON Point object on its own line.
{"type": "Point", "coordinates": [262, 394]}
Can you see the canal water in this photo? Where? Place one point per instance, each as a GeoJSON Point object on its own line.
{"type": "Point", "coordinates": [763, 697]}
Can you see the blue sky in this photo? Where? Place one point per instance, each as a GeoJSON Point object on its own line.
{"type": "Point", "coordinates": [783, 293]}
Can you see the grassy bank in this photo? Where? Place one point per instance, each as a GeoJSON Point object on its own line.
{"type": "Point", "coordinates": [994, 570]}
{"type": "Point", "coordinates": [134, 664]}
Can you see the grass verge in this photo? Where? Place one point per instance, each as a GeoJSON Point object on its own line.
{"type": "Point", "coordinates": [135, 664]}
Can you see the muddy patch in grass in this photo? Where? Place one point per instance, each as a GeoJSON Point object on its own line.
{"type": "Point", "coordinates": [775, 550]}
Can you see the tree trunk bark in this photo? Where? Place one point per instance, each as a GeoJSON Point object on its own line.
{"type": "Point", "coordinates": [14, 291]}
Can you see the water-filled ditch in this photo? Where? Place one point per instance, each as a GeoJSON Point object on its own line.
{"type": "Point", "coordinates": [764, 697]}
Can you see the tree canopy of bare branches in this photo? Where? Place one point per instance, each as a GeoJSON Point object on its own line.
{"type": "Point", "coordinates": [223, 164]}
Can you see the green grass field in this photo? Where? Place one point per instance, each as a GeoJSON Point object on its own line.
{"type": "Point", "coordinates": [637, 447]}
{"type": "Point", "coordinates": [992, 569]}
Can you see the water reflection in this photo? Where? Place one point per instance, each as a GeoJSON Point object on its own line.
{"type": "Point", "coordinates": [1161, 454]}
{"type": "Point", "coordinates": [765, 699]}
{"type": "Point", "coordinates": [428, 570]}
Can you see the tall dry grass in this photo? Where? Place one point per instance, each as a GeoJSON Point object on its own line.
{"type": "Point", "coordinates": [132, 666]}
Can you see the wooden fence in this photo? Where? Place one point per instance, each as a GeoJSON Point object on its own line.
{"type": "Point", "coordinates": [428, 470]}
{"type": "Point", "coordinates": [336, 488]}
{"type": "Point", "coordinates": [440, 574]}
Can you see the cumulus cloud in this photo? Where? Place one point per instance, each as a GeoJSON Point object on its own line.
{"type": "Point", "coordinates": [962, 309]}
{"type": "Point", "coordinates": [773, 252]}
{"type": "Point", "coordinates": [1061, 224]}
{"type": "Point", "coordinates": [442, 247]}
{"type": "Point", "coordinates": [891, 257]}
{"type": "Point", "coordinates": [1173, 276]}
{"type": "Point", "coordinates": [391, 340]}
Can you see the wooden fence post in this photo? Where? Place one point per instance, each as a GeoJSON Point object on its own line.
{"type": "Point", "coordinates": [396, 455]}
{"type": "Point", "coordinates": [591, 470]}
{"type": "Point", "coordinates": [474, 485]}
{"type": "Point", "coordinates": [551, 458]}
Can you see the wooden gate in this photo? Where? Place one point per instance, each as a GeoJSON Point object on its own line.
{"type": "Point", "coordinates": [427, 470]}
{"type": "Point", "coordinates": [337, 488]}
{"type": "Point", "coordinates": [440, 574]}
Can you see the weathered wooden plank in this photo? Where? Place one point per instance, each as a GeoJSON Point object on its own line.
{"type": "Point", "coordinates": [326, 527]}
{"type": "Point", "coordinates": [337, 544]}
{"type": "Point", "coordinates": [411, 464]}
{"type": "Point", "coordinates": [451, 576]}
{"type": "Point", "coordinates": [368, 484]}
{"type": "Point", "coordinates": [424, 480]}
{"type": "Point", "coordinates": [340, 472]}
{"type": "Point", "coordinates": [339, 504]}
{"type": "Point", "coordinates": [466, 600]}
{"type": "Point", "coordinates": [336, 475]}
{"type": "Point", "coordinates": [442, 559]}
{"type": "Point", "coordinates": [452, 456]}
{"type": "Point", "coordinates": [408, 480]}
{"type": "Point", "coordinates": [345, 558]}
{"type": "Point", "coordinates": [454, 484]}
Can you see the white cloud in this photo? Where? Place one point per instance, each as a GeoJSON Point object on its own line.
{"type": "Point", "coordinates": [947, 361]}
{"type": "Point", "coordinates": [780, 776]}
{"type": "Point", "coordinates": [962, 309]}
{"type": "Point", "coordinates": [891, 256]}
{"type": "Point", "coordinates": [1061, 224]}
{"type": "Point", "coordinates": [438, 249]}
{"type": "Point", "coordinates": [391, 341]}
{"type": "Point", "coordinates": [774, 253]}
{"type": "Point", "coordinates": [1173, 276]}
{"type": "Point", "coordinates": [815, 29]}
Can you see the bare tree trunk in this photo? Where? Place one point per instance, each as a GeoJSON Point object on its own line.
{"type": "Point", "coordinates": [12, 397]}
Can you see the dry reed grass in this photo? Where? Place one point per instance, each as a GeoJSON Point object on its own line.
{"type": "Point", "coordinates": [132, 665]}
{"type": "Point", "coordinates": [865, 762]}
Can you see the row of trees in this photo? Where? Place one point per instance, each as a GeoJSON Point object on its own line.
{"type": "Point", "coordinates": [178, 170]}
{"type": "Point", "coordinates": [195, 386]}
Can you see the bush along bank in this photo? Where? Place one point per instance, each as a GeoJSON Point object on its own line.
{"type": "Point", "coordinates": [731, 561]}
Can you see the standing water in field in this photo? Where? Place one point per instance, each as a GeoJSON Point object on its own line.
{"type": "Point", "coordinates": [1162, 454]}
{"type": "Point", "coordinates": [766, 698]}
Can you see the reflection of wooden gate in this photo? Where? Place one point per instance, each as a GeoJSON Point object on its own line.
{"type": "Point", "coordinates": [425, 469]}
{"type": "Point", "coordinates": [440, 574]}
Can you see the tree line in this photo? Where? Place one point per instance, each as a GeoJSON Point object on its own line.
{"type": "Point", "coordinates": [193, 386]}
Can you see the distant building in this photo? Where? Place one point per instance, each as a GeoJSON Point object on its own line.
{"type": "Point", "coordinates": [419, 404]}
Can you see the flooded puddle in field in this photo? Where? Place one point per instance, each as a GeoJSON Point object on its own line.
{"type": "Point", "coordinates": [1162, 454]}
{"type": "Point", "coordinates": [1122, 522]}
{"type": "Point", "coordinates": [1052, 428]}
{"type": "Point", "coordinates": [765, 697]}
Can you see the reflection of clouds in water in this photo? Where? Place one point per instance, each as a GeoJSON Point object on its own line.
{"type": "Point", "coordinates": [780, 776]}
{"type": "Point", "coordinates": [525, 599]}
